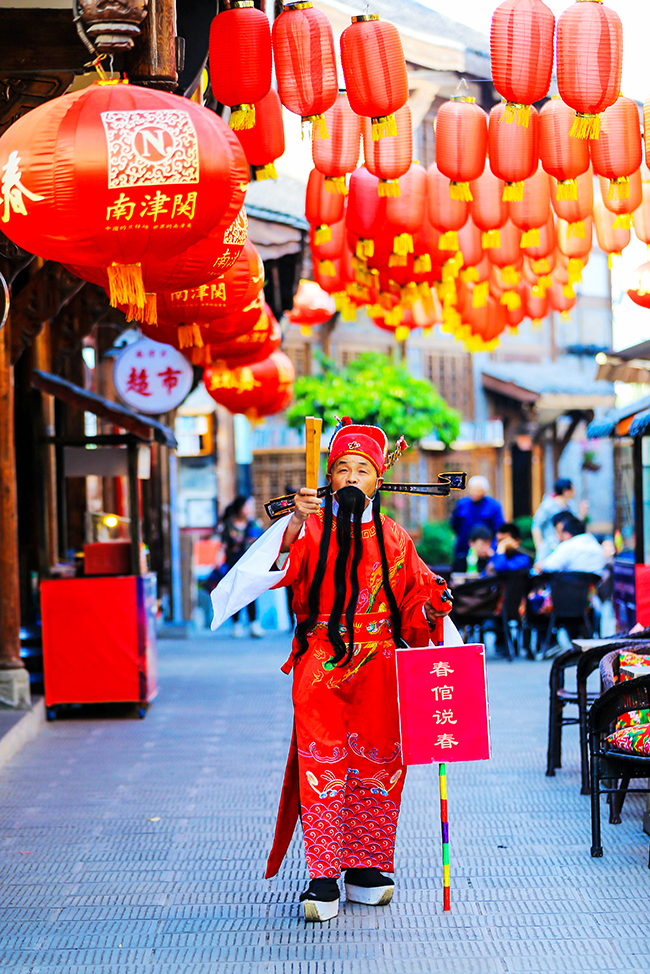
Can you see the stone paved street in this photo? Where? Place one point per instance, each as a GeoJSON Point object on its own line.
{"type": "Point", "coordinates": [138, 847]}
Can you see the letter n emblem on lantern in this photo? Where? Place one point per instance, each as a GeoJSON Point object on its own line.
{"type": "Point", "coordinates": [146, 148]}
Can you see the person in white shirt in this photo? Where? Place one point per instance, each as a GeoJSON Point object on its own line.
{"type": "Point", "coordinates": [578, 551]}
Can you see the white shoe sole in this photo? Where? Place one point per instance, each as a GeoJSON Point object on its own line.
{"type": "Point", "coordinates": [317, 911]}
{"type": "Point", "coordinates": [373, 896]}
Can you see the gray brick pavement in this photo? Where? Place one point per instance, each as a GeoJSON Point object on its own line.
{"type": "Point", "coordinates": [139, 847]}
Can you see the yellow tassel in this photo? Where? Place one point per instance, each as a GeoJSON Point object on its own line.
{"type": "Point", "coordinates": [242, 117]}
{"type": "Point", "coordinates": [388, 187]}
{"type": "Point", "coordinates": [513, 192]}
{"type": "Point", "coordinates": [385, 300]}
{"type": "Point", "coordinates": [576, 229]}
{"type": "Point", "coordinates": [536, 323]}
{"type": "Point", "coordinates": [460, 191]}
{"type": "Point", "coordinates": [318, 126]}
{"type": "Point", "coordinates": [409, 294]}
{"type": "Point", "coordinates": [336, 184]}
{"type": "Point", "coordinates": [450, 270]}
{"type": "Point", "coordinates": [491, 239]}
{"type": "Point", "coordinates": [150, 311]}
{"type": "Point", "coordinates": [545, 282]}
{"type": "Point", "coordinates": [403, 244]}
{"type": "Point", "coordinates": [397, 260]}
{"type": "Point", "coordinates": [322, 234]}
{"type": "Point", "coordinates": [510, 276]}
{"type": "Point", "coordinates": [447, 290]}
{"type": "Point", "coordinates": [197, 357]}
{"type": "Point", "coordinates": [448, 241]}
{"type": "Point", "coordinates": [265, 172]}
{"type": "Point", "coordinates": [585, 126]}
{"type": "Point", "coordinates": [422, 264]}
{"type": "Point", "coordinates": [567, 189]}
{"type": "Point", "coordinates": [480, 294]}
{"type": "Point", "coordinates": [530, 238]}
{"type": "Point", "coordinates": [383, 127]}
{"type": "Point", "coordinates": [575, 268]}
{"type": "Point", "coordinates": [189, 335]}
{"type": "Point", "coordinates": [567, 291]}
{"type": "Point", "coordinates": [326, 268]}
{"type": "Point", "coordinates": [125, 285]}
{"type": "Point", "coordinates": [565, 316]}
{"type": "Point", "coordinates": [623, 221]}
{"type": "Point", "coordinates": [365, 249]}
{"type": "Point", "coordinates": [515, 112]}
{"type": "Point", "coordinates": [427, 332]}
{"type": "Point", "coordinates": [514, 329]}
{"type": "Point", "coordinates": [610, 258]}
{"type": "Point", "coordinates": [468, 275]}
{"type": "Point", "coordinates": [402, 332]}
{"type": "Point", "coordinates": [619, 188]}
{"type": "Point", "coordinates": [511, 300]}
{"type": "Point", "coordinates": [425, 291]}
{"type": "Point", "coordinates": [541, 266]}
{"type": "Point", "coordinates": [349, 311]}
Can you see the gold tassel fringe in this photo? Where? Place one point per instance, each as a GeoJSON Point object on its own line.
{"type": "Point", "coordinates": [125, 285]}
{"type": "Point", "coordinates": [265, 172]}
{"type": "Point", "coordinates": [619, 188]}
{"type": "Point", "coordinates": [511, 300]}
{"type": "Point", "coordinates": [460, 191]}
{"type": "Point", "coordinates": [326, 268]}
{"type": "Point", "coordinates": [585, 126]}
{"type": "Point", "coordinates": [318, 126]}
{"type": "Point", "coordinates": [323, 234]}
{"type": "Point", "coordinates": [510, 275]}
{"type": "Point", "coordinates": [545, 282]}
{"type": "Point", "coordinates": [530, 238]}
{"type": "Point", "coordinates": [403, 244]}
{"type": "Point", "coordinates": [384, 127]}
{"type": "Point", "coordinates": [513, 192]}
{"type": "Point", "coordinates": [576, 229]}
{"type": "Point", "coordinates": [575, 268]}
{"type": "Point", "coordinates": [491, 239]}
{"type": "Point", "coordinates": [610, 258]}
{"type": "Point", "coordinates": [480, 294]}
{"type": "Point", "coordinates": [565, 316]}
{"type": "Point", "coordinates": [402, 332]}
{"type": "Point", "coordinates": [567, 189]}
{"type": "Point", "coordinates": [448, 241]}
{"type": "Point", "coordinates": [365, 248]}
{"type": "Point", "coordinates": [469, 275]}
{"type": "Point", "coordinates": [515, 112]}
{"type": "Point", "coordinates": [397, 260]}
{"type": "Point", "coordinates": [541, 266]}
{"type": "Point", "coordinates": [422, 264]}
{"type": "Point", "coordinates": [623, 221]}
{"type": "Point", "coordinates": [567, 291]}
{"type": "Point", "coordinates": [305, 330]}
{"type": "Point", "coordinates": [388, 187]}
{"type": "Point", "coordinates": [189, 335]}
{"type": "Point", "coordinates": [336, 184]}
{"type": "Point", "coordinates": [242, 117]}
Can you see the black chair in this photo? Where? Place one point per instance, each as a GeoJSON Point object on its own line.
{"type": "Point", "coordinates": [570, 598]}
{"type": "Point", "coordinates": [477, 603]}
{"type": "Point", "coordinates": [517, 587]}
{"type": "Point", "coordinates": [608, 764]}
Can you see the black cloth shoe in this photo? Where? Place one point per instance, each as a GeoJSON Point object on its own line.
{"type": "Point", "coordinates": [320, 901]}
{"type": "Point", "coordinates": [369, 886]}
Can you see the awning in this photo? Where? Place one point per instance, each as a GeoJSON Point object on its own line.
{"type": "Point", "coordinates": [640, 425]}
{"type": "Point", "coordinates": [127, 419]}
{"type": "Point", "coordinates": [619, 422]}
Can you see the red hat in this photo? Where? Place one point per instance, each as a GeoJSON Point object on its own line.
{"type": "Point", "coordinates": [366, 441]}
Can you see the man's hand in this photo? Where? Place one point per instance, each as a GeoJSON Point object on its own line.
{"type": "Point", "coordinates": [432, 614]}
{"type": "Point", "coordinates": [306, 503]}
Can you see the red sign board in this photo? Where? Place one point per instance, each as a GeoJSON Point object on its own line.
{"type": "Point", "coordinates": [443, 704]}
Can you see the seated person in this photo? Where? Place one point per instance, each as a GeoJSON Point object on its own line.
{"type": "Point", "coordinates": [578, 550]}
{"type": "Point", "coordinates": [480, 549]}
{"type": "Point", "coordinates": [509, 557]}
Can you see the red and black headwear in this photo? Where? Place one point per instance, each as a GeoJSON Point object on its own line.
{"type": "Point", "coordinates": [367, 441]}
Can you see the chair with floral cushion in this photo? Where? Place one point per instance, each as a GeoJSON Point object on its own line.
{"type": "Point", "coordinates": [617, 753]}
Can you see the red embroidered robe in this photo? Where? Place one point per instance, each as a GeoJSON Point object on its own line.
{"type": "Point", "coordinates": [345, 774]}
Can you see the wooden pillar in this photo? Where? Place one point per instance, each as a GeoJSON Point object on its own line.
{"type": "Point", "coordinates": [226, 465]}
{"type": "Point", "coordinates": [507, 481]}
{"type": "Point", "coordinates": [153, 60]}
{"type": "Point", "coordinates": [537, 475]}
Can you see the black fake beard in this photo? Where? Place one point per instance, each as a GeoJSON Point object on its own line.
{"type": "Point", "coordinates": [352, 503]}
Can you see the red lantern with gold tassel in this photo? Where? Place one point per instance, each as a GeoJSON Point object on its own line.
{"type": "Point", "coordinates": [562, 156]}
{"type": "Point", "coordinates": [560, 301]}
{"type": "Point", "coordinates": [256, 390]}
{"type": "Point", "coordinates": [305, 63]}
{"type": "Point", "coordinates": [427, 256]}
{"type": "Point", "coordinates": [623, 208]}
{"type": "Point", "coordinates": [461, 144]}
{"type": "Point", "coordinates": [617, 153]}
{"type": "Point", "coordinates": [575, 249]}
{"type": "Point", "coordinates": [446, 215]}
{"type": "Point", "coordinates": [589, 62]}
{"type": "Point", "coordinates": [547, 242]}
{"type": "Point", "coordinates": [405, 213]}
{"type": "Point", "coordinates": [536, 303]}
{"type": "Point", "coordinates": [311, 305]}
{"type": "Point", "coordinates": [639, 289]}
{"type": "Point", "coordinates": [322, 209]}
{"type": "Point", "coordinates": [255, 345]}
{"type": "Point", "coordinates": [487, 208]}
{"type": "Point", "coordinates": [470, 244]}
{"type": "Point", "coordinates": [330, 250]}
{"type": "Point", "coordinates": [532, 212]}
{"type": "Point", "coordinates": [366, 212]}
{"type": "Point", "coordinates": [513, 151]}
{"type": "Point", "coordinates": [240, 60]}
{"type": "Point", "coordinates": [264, 142]}
{"type": "Point", "coordinates": [389, 159]}
{"type": "Point", "coordinates": [521, 45]}
{"type": "Point", "coordinates": [339, 155]}
{"type": "Point", "coordinates": [508, 255]}
{"type": "Point", "coordinates": [612, 239]}
{"type": "Point", "coordinates": [575, 211]}
{"type": "Point", "coordinates": [372, 58]}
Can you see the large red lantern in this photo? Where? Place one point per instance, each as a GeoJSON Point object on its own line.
{"type": "Point", "coordinates": [339, 155]}
{"type": "Point", "coordinates": [639, 289]}
{"type": "Point", "coordinates": [617, 153]}
{"type": "Point", "coordinates": [305, 63]}
{"type": "Point", "coordinates": [461, 144]}
{"type": "Point", "coordinates": [405, 213]}
{"type": "Point", "coordinates": [488, 210]}
{"type": "Point", "coordinates": [311, 305]}
{"type": "Point", "coordinates": [373, 63]}
{"type": "Point", "coordinates": [366, 212]}
{"type": "Point", "coordinates": [388, 159]}
{"type": "Point", "coordinates": [521, 45]}
{"type": "Point", "coordinates": [446, 214]}
{"type": "Point", "coordinates": [562, 156]}
{"type": "Point", "coordinates": [589, 62]}
{"type": "Point", "coordinates": [256, 390]}
{"type": "Point", "coordinates": [263, 143]}
{"type": "Point", "coordinates": [623, 208]}
{"type": "Point", "coordinates": [116, 174]}
{"type": "Point", "coordinates": [533, 210]}
{"type": "Point", "coordinates": [513, 151]}
{"type": "Point", "coordinates": [322, 209]}
{"type": "Point", "coordinates": [240, 60]}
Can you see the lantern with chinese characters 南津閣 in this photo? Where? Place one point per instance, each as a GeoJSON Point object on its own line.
{"type": "Point", "coordinates": [372, 58]}
{"type": "Point", "coordinates": [461, 144]}
{"type": "Point", "coordinates": [116, 174]}
{"type": "Point", "coordinates": [240, 60]}
{"type": "Point", "coordinates": [256, 390]}
{"type": "Point", "coordinates": [339, 155]}
{"type": "Point", "coordinates": [264, 142]}
{"type": "Point", "coordinates": [521, 45]}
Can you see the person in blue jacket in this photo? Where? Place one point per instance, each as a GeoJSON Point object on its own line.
{"type": "Point", "coordinates": [476, 508]}
{"type": "Point", "coordinates": [508, 557]}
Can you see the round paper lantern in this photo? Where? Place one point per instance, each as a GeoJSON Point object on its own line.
{"type": "Point", "coordinates": [612, 239]}
{"type": "Point", "coordinates": [263, 143]}
{"type": "Point", "coordinates": [339, 155]}
{"type": "Point", "coordinates": [533, 210]}
{"type": "Point", "coordinates": [521, 45]}
{"type": "Point", "coordinates": [575, 211]}
{"type": "Point", "coordinates": [487, 208]}
{"type": "Point", "coordinates": [388, 159]}
{"type": "Point", "coordinates": [513, 151]}
{"type": "Point", "coordinates": [639, 289]}
{"type": "Point", "coordinates": [617, 153]}
{"type": "Point", "coordinates": [366, 212]}
{"type": "Point", "coordinates": [240, 60]}
{"type": "Point", "coordinates": [311, 305]}
{"type": "Point", "coordinates": [253, 346]}
{"type": "Point", "coordinates": [405, 213]}
{"type": "Point", "coordinates": [322, 209]}
{"type": "Point", "coordinates": [461, 144]}
{"type": "Point", "coordinates": [642, 214]}
{"type": "Point", "coordinates": [116, 174]}
{"type": "Point", "coordinates": [446, 215]}
{"type": "Point", "coordinates": [256, 390]}
{"type": "Point", "coordinates": [305, 63]}
{"type": "Point", "coordinates": [589, 62]}
{"type": "Point", "coordinates": [623, 208]}
{"type": "Point", "coordinates": [373, 63]}
{"type": "Point", "coordinates": [562, 156]}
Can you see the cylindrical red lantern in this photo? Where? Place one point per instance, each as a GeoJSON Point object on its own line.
{"type": "Point", "coordinates": [623, 208]}
{"type": "Point", "coordinates": [366, 212]}
{"type": "Point", "coordinates": [562, 156]}
{"type": "Point", "coordinates": [322, 209]}
{"type": "Point", "coordinates": [508, 254]}
{"type": "Point", "coordinates": [255, 345]}
{"type": "Point", "coordinates": [264, 142]}
{"type": "Point", "coordinates": [639, 289]}
{"type": "Point", "coordinates": [373, 63]}
{"type": "Point", "coordinates": [488, 210]}
{"type": "Point", "coordinates": [256, 390]}
{"type": "Point", "coordinates": [426, 249]}
{"type": "Point", "coordinates": [533, 210]}
{"type": "Point", "coordinates": [575, 211]}
{"type": "Point", "coordinates": [521, 45]}
{"type": "Point", "coordinates": [240, 60]}
{"type": "Point", "coordinates": [116, 174]}
{"type": "Point", "coordinates": [536, 303]}
{"type": "Point", "coordinates": [589, 62]}
{"type": "Point", "coordinates": [612, 239]}
{"type": "Point", "coordinates": [547, 242]}
{"type": "Point", "coordinates": [513, 151]}
{"type": "Point", "coordinates": [331, 249]}
{"type": "Point", "coordinates": [461, 144]}
{"type": "Point", "coordinates": [470, 244]}
{"type": "Point", "coordinates": [405, 213]}
{"type": "Point", "coordinates": [560, 301]}
{"type": "Point", "coordinates": [571, 244]}
{"type": "Point", "coordinates": [446, 215]}
{"type": "Point", "coordinates": [390, 158]}
{"type": "Point", "coordinates": [305, 63]}
{"type": "Point", "coordinates": [617, 153]}
{"type": "Point", "coordinates": [339, 155]}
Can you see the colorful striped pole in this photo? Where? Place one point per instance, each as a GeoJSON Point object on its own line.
{"type": "Point", "coordinates": [446, 880]}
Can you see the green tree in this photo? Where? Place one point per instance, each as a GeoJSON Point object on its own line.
{"type": "Point", "coordinates": [374, 390]}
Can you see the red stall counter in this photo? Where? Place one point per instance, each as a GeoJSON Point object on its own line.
{"type": "Point", "coordinates": [99, 640]}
